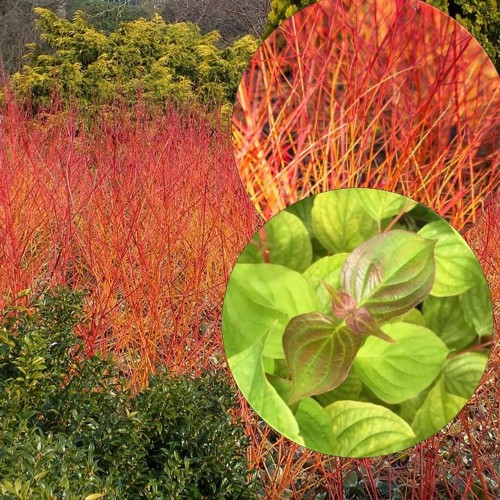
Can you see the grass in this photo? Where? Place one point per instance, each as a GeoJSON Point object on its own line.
{"type": "Point", "coordinates": [390, 95]}
{"type": "Point", "coordinates": [145, 211]}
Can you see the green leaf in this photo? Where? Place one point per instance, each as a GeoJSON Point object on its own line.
{"type": "Point", "coordinates": [327, 269]}
{"type": "Point", "coordinates": [367, 430]}
{"type": "Point", "coordinates": [302, 209]}
{"type": "Point", "coordinates": [463, 373]}
{"type": "Point", "coordinates": [280, 369]}
{"type": "Point", "coordinates": [350, 388]}
{"type": "Point", "coordinates": [382, 204]}
{"type": "Point", "coordinates": [408, 409]}
{"type": "Point", "coordinates": [396, 372]}
{"type": "Point", "coordinates": [269, 364]}
{"type": "Point", "coordinates": [319, 352]}
{"type": "Point", "coordinates": [445, 317]}
{"type": "Point", "coordinates": [390, 273]}
{"type": "Point", "coordinates": [261, 299]}
{"type": "Point", "coordinates": [252, 253]}
{"type": "Point", "coordinates": [340, 222]}
{"type": "Point", "coordinates": [248, 372]}
{"type": "Point", "coordinates": [315, 426]}
{"type": "Point", "coordinates": [413, 316]}
{"type": "Point", "coordinates": [457, 268]}
{"type": "Point", "coordinates": [288, 242]}
{"type": "Point", "coordinates": [282, 386]}
{"type": "Point", "coordinates": [478, 309]}
{"type": "Point", "coordinates": [438, 409]}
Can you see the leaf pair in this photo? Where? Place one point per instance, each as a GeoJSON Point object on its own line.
{"type": "Point", "coordinates": [382, 278]}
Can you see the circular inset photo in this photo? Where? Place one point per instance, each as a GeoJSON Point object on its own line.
{"type": "Point", "coordinates": [357, 322]}
{"type": "Point", "coordinates": [370, 93]}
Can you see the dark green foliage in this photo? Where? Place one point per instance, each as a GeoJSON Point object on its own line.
{"type": "Point", "coordinates": [190, 442]}
{"type": "Point", "coordinates": [69, 428]}
{"type": "Point", "coordinates": [480, 17]}
{"type": "Point", "coordinates": [175, 62]}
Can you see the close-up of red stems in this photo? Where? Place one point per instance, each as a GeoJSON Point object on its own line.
{"type": "Point", "coordinates": [390, 95]}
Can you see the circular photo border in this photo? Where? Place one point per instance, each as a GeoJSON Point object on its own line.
{"type": "Point", "coordinates": [357, 322]}
{"type": "Point", "coordinates": [370, 93]}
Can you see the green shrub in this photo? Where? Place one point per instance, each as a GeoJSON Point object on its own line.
{"type": "Point", "coordinates": [480, 17]}
{"type": "Point", "coordinates": [78, 63]}
{"type": "Point", "coordinates": [69, 428]}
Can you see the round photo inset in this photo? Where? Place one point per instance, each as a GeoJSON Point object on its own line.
{"type": "Point", "coordinates": [357, 322]}
{"type": "Point", "coordinates": [385, 94]}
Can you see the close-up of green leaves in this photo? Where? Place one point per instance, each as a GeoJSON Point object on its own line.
{"type": "Point", "coordinates": [357, 322]}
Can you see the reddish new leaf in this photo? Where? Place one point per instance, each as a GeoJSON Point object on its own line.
{"type": "Point", "coordinates": [342, 303]}
{"type": "Point", "coordinates": [319, 352]}
{"type": "Point", "coordinates": [390, 273]}
{"type": "Point", "coordinates": [359, 320]}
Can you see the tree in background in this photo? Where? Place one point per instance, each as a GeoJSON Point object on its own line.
{"type": "Point", "coordinates": [480, 17]}
{"type": "Point", "coordinates": [231, 18]}
{"type": "Point", "coordinates": [283, 9]}
{"type": "Point", "coordinates": [18, 22]}
{"type": "Point", "coordinates": [17, 27]}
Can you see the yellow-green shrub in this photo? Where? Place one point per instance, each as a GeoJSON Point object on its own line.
{"type": "Point", "coordinates": [78, 63]}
